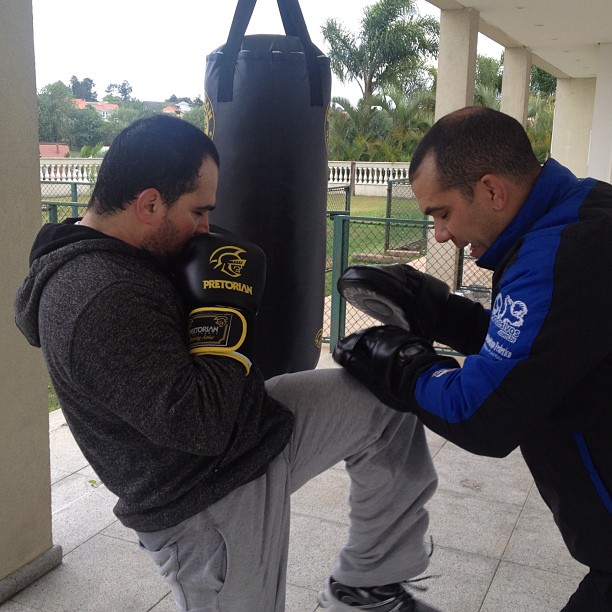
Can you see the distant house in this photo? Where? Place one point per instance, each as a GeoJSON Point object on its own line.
{"type": "Point", "coordinates": [178, 109]}
{"type": "Point", "coordinates": [104, 109]}
{"type": "Point", "coordinates": [53, 149]}
{"type": "Point", "coordinates": [183, 106]}
{"type": "Point", "coordinates": [172, 109]}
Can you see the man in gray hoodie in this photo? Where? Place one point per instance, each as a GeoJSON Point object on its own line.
{"type": "Point", "coordinates": [203, 455]}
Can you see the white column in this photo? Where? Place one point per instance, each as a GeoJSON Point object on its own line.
{"type": "Point", "coordinates": [515, 83]}
{"type": "Point", "coordinates": [26, 548]}
{"type": "Point", "coordinates": [600, 152]}
{"type": "Point", "coordinates": [456, 60]}
{"type": "Point", "coordinates": [455, 89]}
{"type": "Point", "coordinates": [573, 118]}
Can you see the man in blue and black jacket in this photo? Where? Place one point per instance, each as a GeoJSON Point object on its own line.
{"type": "Point", "coordinates": [538, 367]}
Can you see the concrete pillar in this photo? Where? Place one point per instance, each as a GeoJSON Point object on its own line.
{"type": "Point", "coordinates": [456, 60]}
{"type": "Point", "coordinates": [571, 133]}
{"type": "Point", "coordinates": [26, 548]}
{"type": "Point", "coordinates": [600, 152]}
{"type": "Point", "coordinates": [515, 83]}
{"type": "Point", "coordinates": [455, 89]}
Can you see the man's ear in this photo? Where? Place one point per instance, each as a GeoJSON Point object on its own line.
{"type": "Point", "coordinates": [496, 190]}
{"type": "Point", "coordinates": [148, 205]}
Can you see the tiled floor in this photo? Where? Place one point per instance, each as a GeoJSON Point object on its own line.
{"type": "Point", "coordinates": [496, 548]}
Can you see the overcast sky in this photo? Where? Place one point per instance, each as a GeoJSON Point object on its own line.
{"type": "Point", "coordinates": [161, 47]}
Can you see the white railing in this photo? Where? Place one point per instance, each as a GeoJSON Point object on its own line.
{"type": "Point", "coordinates": [367, 173]}
{"type": "Point", "coordinates": [370, 178]}
{"type": "Point", "coordinates": [82, 170]}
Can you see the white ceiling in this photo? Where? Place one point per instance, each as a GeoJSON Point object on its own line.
{"type": "Point", "coordinates": [563, 35]}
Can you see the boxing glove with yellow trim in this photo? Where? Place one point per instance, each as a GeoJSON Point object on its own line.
{"type": "Point", "coordinates": [221, 278]}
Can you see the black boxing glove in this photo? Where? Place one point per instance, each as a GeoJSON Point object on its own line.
{"type": "Point", "coordinates": [388, 360]}
{"type": "Point", "coordinates": [221, 278]}
{"type": "Point", "coordinates": [396, 294]}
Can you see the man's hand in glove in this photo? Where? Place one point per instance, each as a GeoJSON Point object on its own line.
{"type": "Point", "coordinates": [396, 294]}
{"type": "Point", "coordinates": [388, 360]}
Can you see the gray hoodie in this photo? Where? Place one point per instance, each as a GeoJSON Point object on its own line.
{"type": "Point", "coordinates": [168, 433]}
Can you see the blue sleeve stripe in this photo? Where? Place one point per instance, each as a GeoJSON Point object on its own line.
{"type": "Point", "coordinates": [592, 470]}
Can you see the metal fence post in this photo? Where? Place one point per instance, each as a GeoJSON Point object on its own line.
{"type": "Point", "coordinates": [340, 260]}
{"type": "Point", "coordinates": [52, 212]}
{"type": "Point", "coordinates": [388, 213]}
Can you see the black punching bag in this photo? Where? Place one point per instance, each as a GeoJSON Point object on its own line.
{"type": "Point", "coordinates": [267, 101]}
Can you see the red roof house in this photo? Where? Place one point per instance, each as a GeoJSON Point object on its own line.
{"type": "Point", "coordinates": [53, 149]}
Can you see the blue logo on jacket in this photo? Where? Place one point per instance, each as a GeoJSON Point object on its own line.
{"type": "Point", "coordinates": [508, 315]}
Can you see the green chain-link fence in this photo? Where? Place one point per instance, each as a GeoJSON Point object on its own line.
{"type": "Point", "coordinates": [339, 198]}
{"type": "Point", "coordinates": [471, 280]}
{"type": "Point", "coordinates": [395, 239]}
{"type": "Point", "coordinates": [338, 202]}
{"type": "Point", "coordinates": [63, 200]}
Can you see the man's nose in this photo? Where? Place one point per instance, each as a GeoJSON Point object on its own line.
{"type": "Point", "coordinates": [203, 226]}
{"type": "Point", "coordinates": [441, 234]}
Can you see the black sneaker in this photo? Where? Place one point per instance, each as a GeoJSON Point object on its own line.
{"type": "Point", "coordinates": [337, 597]}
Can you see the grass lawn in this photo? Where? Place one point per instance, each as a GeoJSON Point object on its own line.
{"type": "Point", "coordinates": [368, 206]}
{"type": "Point", "coordinates": [53, 402]}
{"type": "Point", "coordinates": [370, 241]}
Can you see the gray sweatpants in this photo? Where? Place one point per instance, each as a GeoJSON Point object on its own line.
{"type": "Point", "coordinates": [232, 557]}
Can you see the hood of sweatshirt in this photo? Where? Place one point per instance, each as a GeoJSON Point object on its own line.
{"type": "Point", "coordinates": [56, 244]}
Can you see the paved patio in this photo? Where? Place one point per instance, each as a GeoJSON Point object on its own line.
{"type": "Point", "coordinates": [496, 547]}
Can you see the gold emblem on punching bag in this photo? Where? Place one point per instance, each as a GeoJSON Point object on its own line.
{"type": "Point", "coordinates": [209, 117]}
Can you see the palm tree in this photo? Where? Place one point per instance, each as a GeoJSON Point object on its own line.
{"type": "Point", "coordinates": [540, 114]}
{"type": "Point", "coordinates": [412, 115]}
{"type": "Point", "coordinates": [486, 96]}
{"type": "Point", "coordinates": [356, 132]}
{"type": "Point", "coordinates": [393, 43]}
{"type": "Point", "coordinates": [380, 128]}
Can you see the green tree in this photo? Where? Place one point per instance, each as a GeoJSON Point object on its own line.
{"type": "Point", "coordinates": [118, 92]}
{"type": "Point", "coordinates": [540, 114]}
{"type": "Point", "coordinates": [83, 89]}
{"type": "Point", "coordinates": [358, 132]}
{"type": "Point", "coordinates": [487, 97]}
{"type": "Point", "coordinates": [412, 114]}
{"type": "Point", "coordinates": [174, 100]}
{"type": "Point", "coordinates": [542, 83]}
{"type": "Point", "coordinates": [489, 73]}
{"type": "Point", "coordinates": [196, 116]}
{"type": "Point", "coordinates": [380, 128]}
{"type": "Point", "coordinates": [55, 112]}
{"type": "Point", "coordinates": [87, 128]}
{"type": "Point", "coordinates": [126, 113]}
{"type": "Point", "coordinates": [93, 151]}
{"type": "Point", "coordinates": [394, 43]}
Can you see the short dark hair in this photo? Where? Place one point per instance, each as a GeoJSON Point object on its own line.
{"type": "Point", "coordinates": [474, 141]}
{"type": "Point", "coordinates": [159, 151]}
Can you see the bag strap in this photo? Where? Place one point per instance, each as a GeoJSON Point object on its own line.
{"type": "Point", "coordinates": [294, 25]}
